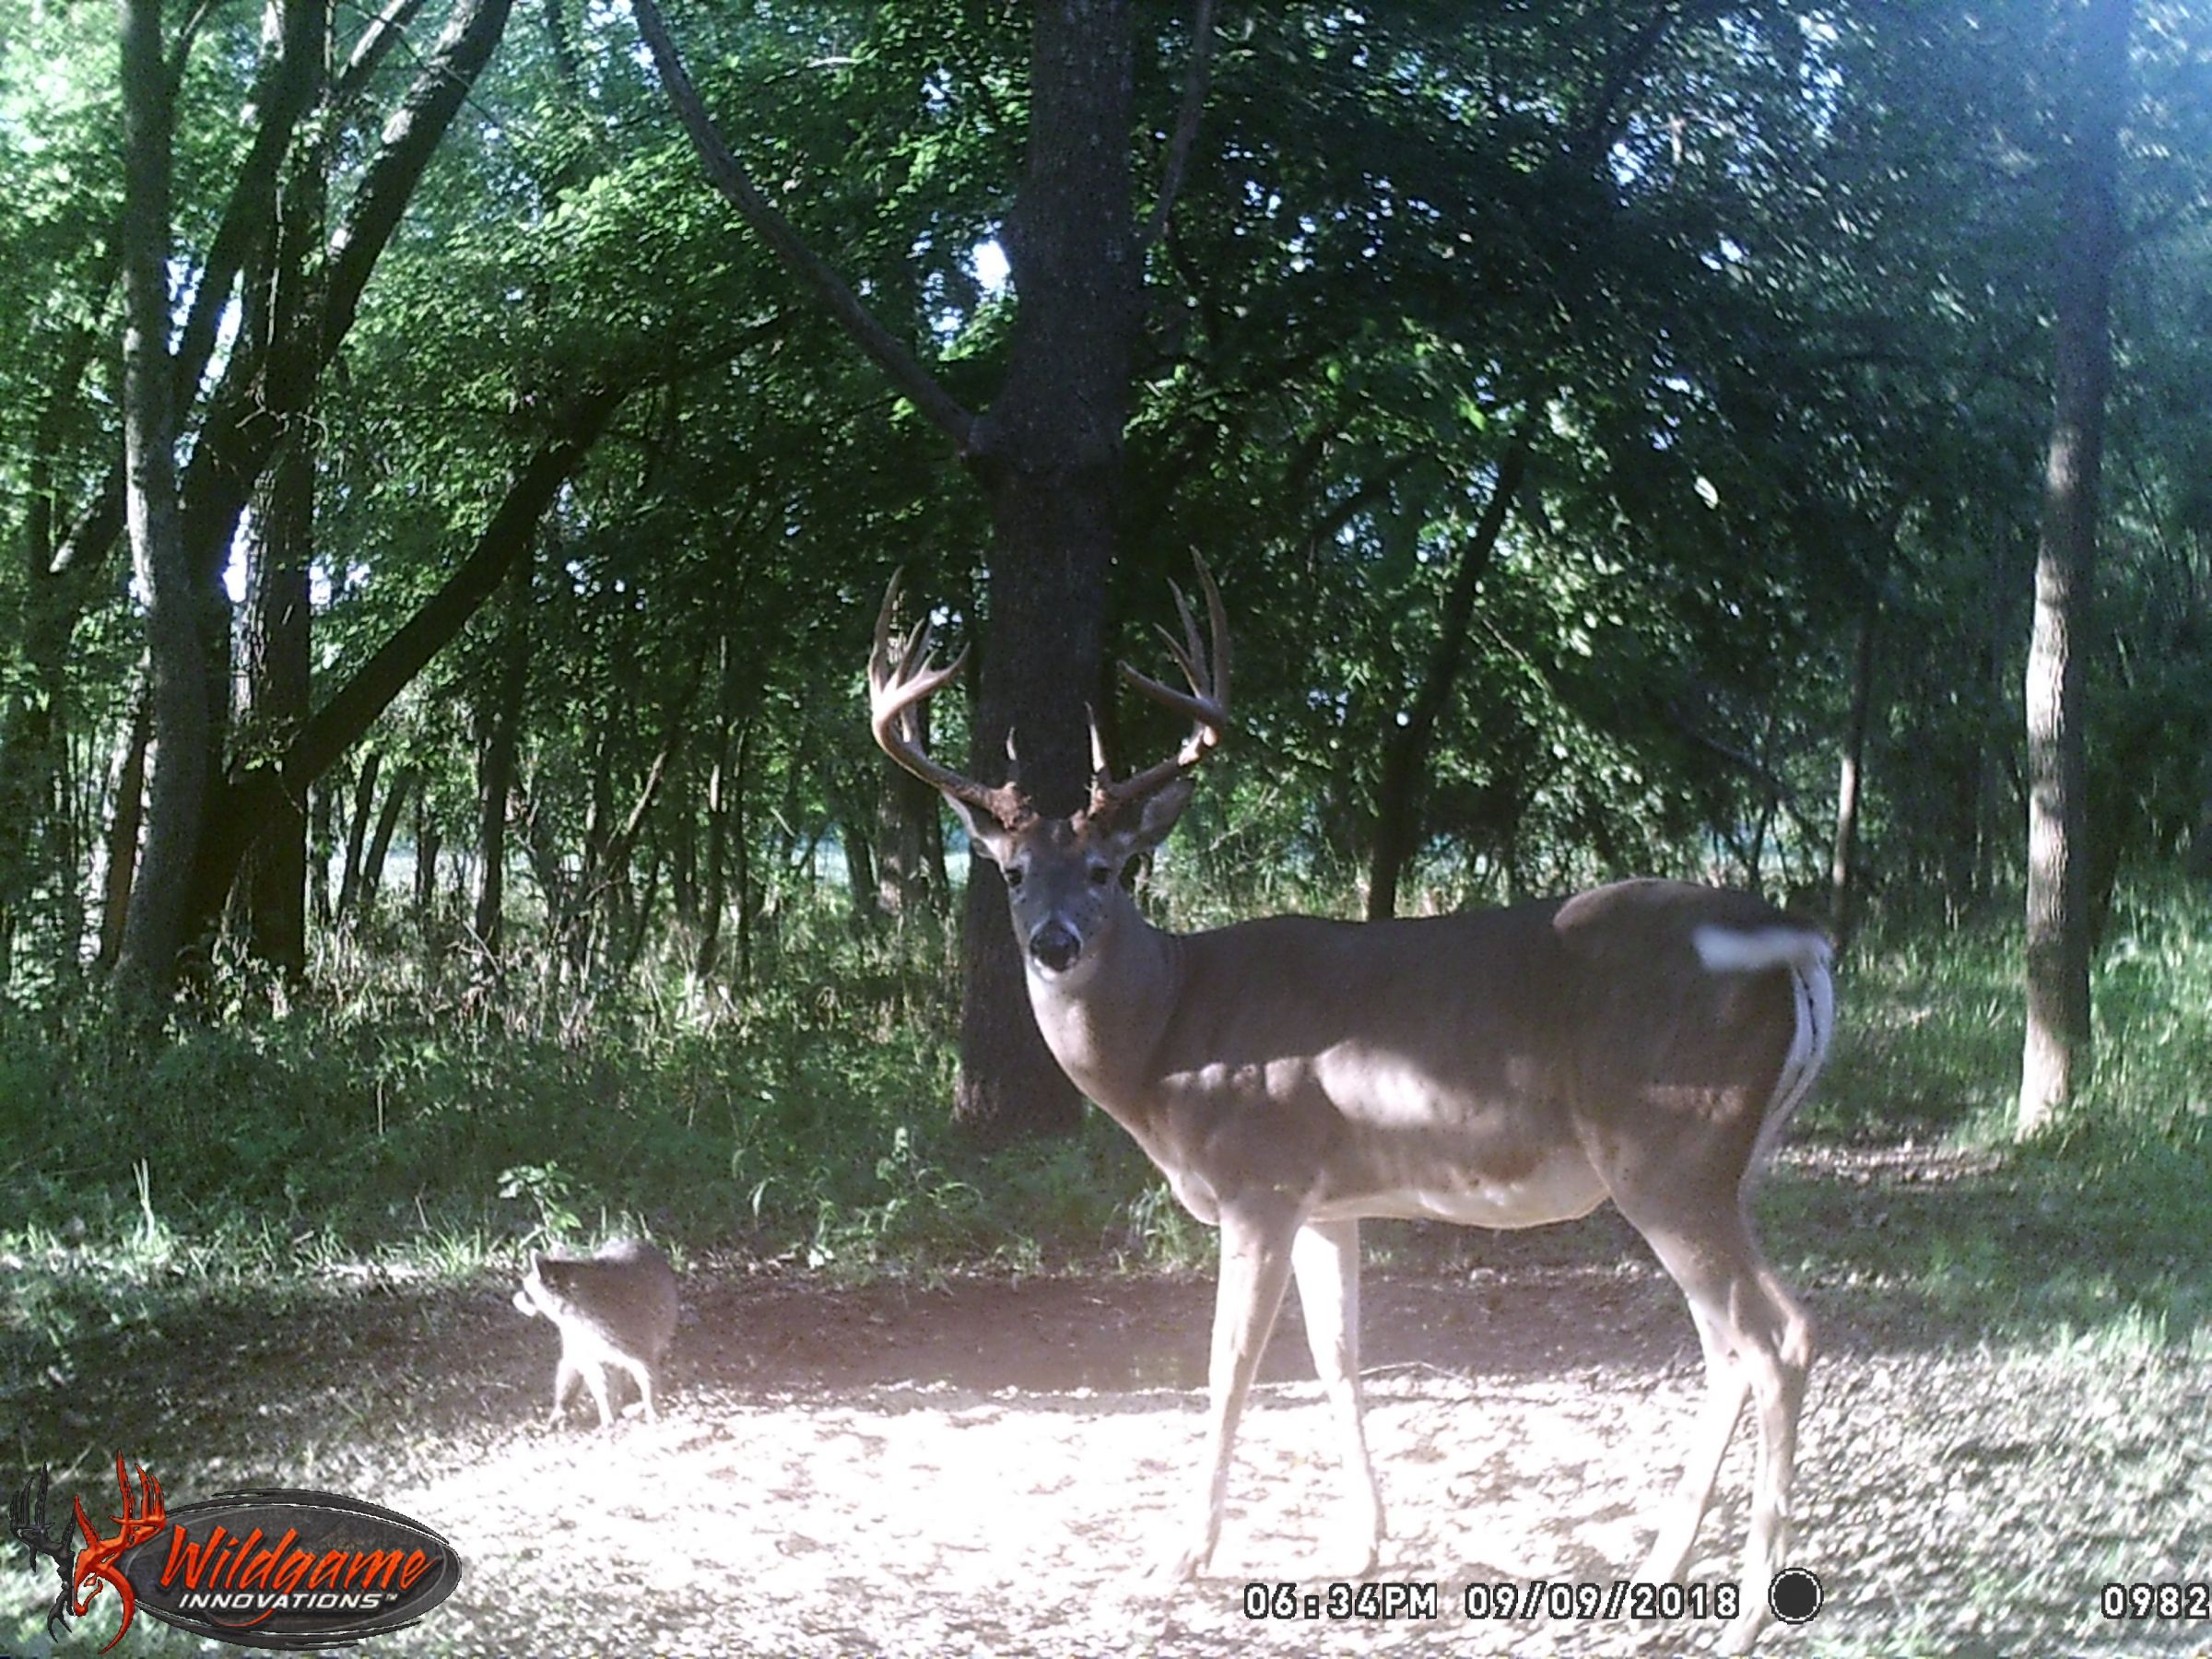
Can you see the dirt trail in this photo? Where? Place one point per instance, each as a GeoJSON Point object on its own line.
{"type": "Point", "coordinates": [982, 1467]}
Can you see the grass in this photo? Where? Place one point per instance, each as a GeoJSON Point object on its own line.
{"type": "Point", "coordinates": [2093, 1232]}
{"type": "Point", "coordinates": [402, 1122]}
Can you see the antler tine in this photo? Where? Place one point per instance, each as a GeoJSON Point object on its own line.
{"type": "Point", "coordinates": [1206, 702]}
{"type": "Point", "coordinates": [899, 680]}
{"type": "Point", "coordinates": [1098, 768]}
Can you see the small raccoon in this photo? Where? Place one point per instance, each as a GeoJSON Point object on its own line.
{"type": "Point", "coordinates": [615, 1308]}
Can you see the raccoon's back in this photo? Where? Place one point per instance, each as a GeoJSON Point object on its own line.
{"type": "Point", "coordinates": [623, 1297]}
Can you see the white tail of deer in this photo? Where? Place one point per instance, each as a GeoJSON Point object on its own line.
{"type": "Point", "coordinates": [1645, 1042]}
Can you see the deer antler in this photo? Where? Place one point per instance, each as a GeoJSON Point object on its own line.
{"type": "Point", "coordinates": [899, 680]}
{"type": "Point", "coordinates": [1206, 702]}
{"type": "Point", "coordinates": [26, 1521]}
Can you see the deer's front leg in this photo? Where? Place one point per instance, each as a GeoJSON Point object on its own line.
{"type": "Point", "coordinates": [1256, 1268]}
{"type": "Point", "coordinates": [1326, 1257]}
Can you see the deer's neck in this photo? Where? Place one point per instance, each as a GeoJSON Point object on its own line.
{"type": "Point", "coordinates": [1105, 1028]}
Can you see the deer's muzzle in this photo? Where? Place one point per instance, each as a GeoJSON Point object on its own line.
{"type": "Point", "coordinates": [1055, 946]}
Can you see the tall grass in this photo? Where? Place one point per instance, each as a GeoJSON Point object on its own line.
{"type": "Point", "coordinates": [403, 1108]}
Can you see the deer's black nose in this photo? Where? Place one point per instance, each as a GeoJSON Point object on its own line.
{"type": "Point", "coordinates": [1055, 946]}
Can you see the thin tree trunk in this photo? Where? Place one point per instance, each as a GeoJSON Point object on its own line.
{"type": "Point", "coordinates": [154, 928]}
{"type": "Point", "coordinates": [714, 898]}
{"type": "Point", "coordinates": [321, 839]}
{"type": "Point", "coordinates": [906, 815]}
{"type": "Point", "coordinates": [498, 780]}
{"type": "Point", "coordinates": [641, 918]}
{"type": "Point", "coordinates": [2056, 1057]}
{"type": "Point", "coordinates": [741, 843]}
{"type": "Point", "coordinates": [860, 870]}
{"type": "Point", "coordinates": [427, 844]}
{"type": "Point", "coordinates": [683, 855]}
{"type": "Point", "coordinates": [122, 832]}
{"type": "Point", "coordinates": [1406, 753]}
{"type": "Point", "coordinates": [380, 843]}
{"type": "Point", "coordinates": [356, 833]}
{"type": "Point", "coordinates": [1842, 873]}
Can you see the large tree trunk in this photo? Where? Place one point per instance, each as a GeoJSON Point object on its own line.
{"type": "Point", "coordinates": [1050, 454]}
{"type": "Point", "coordinates": [281, 312]}
{"type": "Point", "coordinates": [155, 924]}
{"type": "Point", "coordinates": [2056, 1063]}
{"type": "Point", "coordinates": [276, 672]}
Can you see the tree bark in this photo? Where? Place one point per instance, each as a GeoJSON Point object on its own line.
{"type": "Point", "coordinates": [427, 843]}
{"type": "Point", "coordinates": [2056, 1058]}
{"type": "Point", "coordinates": [907, 819]}
{"type": "Point", "coordinates": [1049, 452]}
{"type": "Point", "coordinates": [741, 850]}
{"type": "Point", "coordinates": [713, 877]}
{"type": "Point", "coordinates": [152, 930]}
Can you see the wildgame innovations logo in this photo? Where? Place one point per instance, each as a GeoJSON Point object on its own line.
{"type": "Point", "coordinates": [272, 1569]}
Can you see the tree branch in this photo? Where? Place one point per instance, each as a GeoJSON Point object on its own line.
{"type": "Point", "coordinates": [727, 176]}
{"type": "Point", "coordinates": [1600, 127]}
{"type": "Point", "coordinates": [382, 32]}
{"type": "Point", "coordinates": [354, 707]}
{"type": "Point", "coordinates": [1186, 123]}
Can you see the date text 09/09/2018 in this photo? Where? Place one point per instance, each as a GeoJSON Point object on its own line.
{"type": "Point", "coordinates": [1537, 1598]}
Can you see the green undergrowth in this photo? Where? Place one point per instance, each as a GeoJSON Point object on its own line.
{"type": "Point", "coordinates": [404, 1125]}
{"type": "Point", "coordinates": [400, 1121]}
{"type": "Point", "coordinates": [2096, 1233]}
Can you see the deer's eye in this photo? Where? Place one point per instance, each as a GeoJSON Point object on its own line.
{"type": "Point", "coordinates": [1012, 876]}
{"type": "Point", "coordinates": [1100, 875]}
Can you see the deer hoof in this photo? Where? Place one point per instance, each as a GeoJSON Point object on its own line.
{"type": "Point", "coordinates": [1180, 1566]}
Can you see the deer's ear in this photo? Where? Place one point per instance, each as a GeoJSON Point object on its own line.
{"type": "Point", "coordinates": [985, 834]}
{"type": "Point", "coordinates": [1155, 817]}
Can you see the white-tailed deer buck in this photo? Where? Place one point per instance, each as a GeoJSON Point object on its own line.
{"type": "Point", "coordinates": [1644, 1042]}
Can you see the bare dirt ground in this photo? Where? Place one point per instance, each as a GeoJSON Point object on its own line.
{"type": "Point", "coordinates": [985, 1466]}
